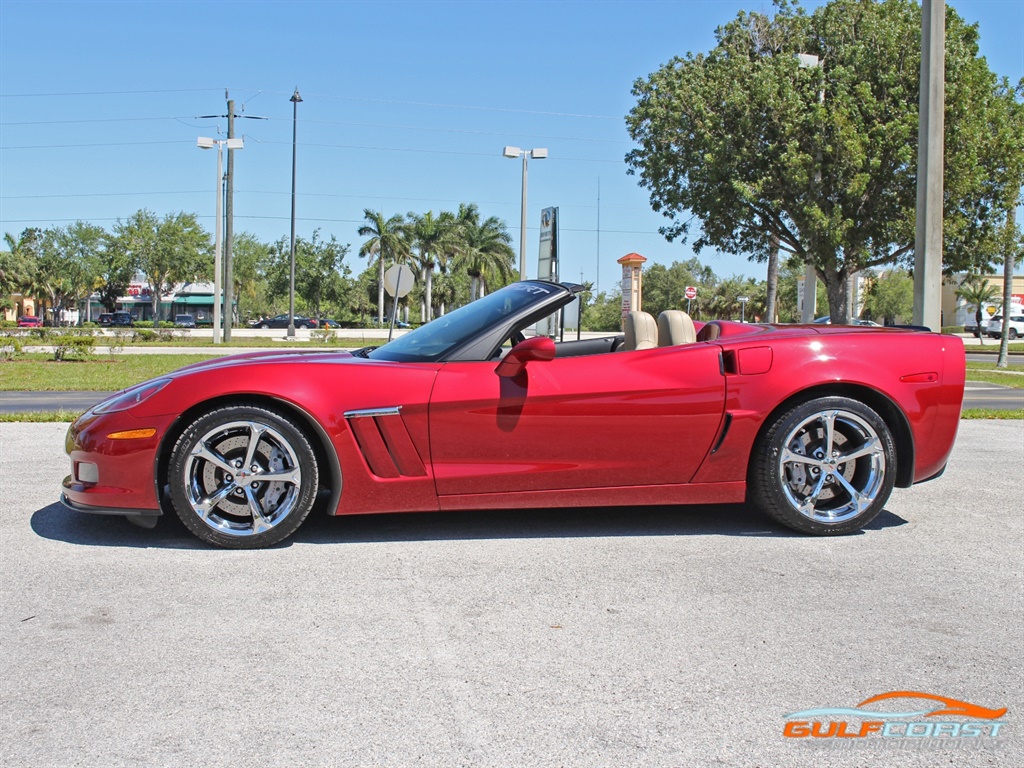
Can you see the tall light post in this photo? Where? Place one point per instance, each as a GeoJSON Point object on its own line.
{"type": "Point", "coordinates": [295, 99]}
{"type": "Point", "coordinates": [538, 153]}
{"type": "Point", "coordinates": [206, 143]}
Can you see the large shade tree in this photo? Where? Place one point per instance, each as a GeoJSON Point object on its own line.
{"type": "Point", "coordinates": [168, 250]}
{"type": "Point", "coordinates": [821, 160]}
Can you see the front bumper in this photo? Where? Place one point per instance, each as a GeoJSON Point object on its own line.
{"type": "Point", "coordinates": [111, 477]}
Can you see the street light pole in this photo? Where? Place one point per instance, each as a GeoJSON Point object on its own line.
{"type": "Point", "coordinates": [538, 153]}
{"type": "Point", "coordinates": [295, 99]}
{"type": "Point", "coordinates": [217, 264]}
{"type": "Point", "coordinates": [206, 143]}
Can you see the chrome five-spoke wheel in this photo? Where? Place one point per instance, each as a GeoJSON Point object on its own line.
{"type": "Point", "coordinates": [825, 467]}
{"type": "Point", "coordinates": [243, 477]}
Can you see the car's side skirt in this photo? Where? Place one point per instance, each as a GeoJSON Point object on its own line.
{"type": "Point", "coordinates": [621, 496]}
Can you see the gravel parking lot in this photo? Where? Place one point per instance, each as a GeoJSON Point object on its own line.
{"type": "Point", "coordinates": [622, 637]}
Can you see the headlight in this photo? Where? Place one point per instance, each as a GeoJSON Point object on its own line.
{"type": "Point", "coordinates": [132, 397]}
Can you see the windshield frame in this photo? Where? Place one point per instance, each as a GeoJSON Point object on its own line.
{"type": "Point", "coordinates": [476, 330]}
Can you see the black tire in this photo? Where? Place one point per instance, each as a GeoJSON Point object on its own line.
{"type": "Point", "coordinates": [215, 477]}
{"type": "Point", "coordinates": [1012, 334]}
{"type": "Point", "coordinates": [793, 481]}
{"type": "Point", "coordinates": [263, 326]}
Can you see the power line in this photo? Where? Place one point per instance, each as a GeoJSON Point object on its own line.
{"type": "Point", "coordinates": [321, 220]}
{"type": "Point", "coordinates": [307, 195]}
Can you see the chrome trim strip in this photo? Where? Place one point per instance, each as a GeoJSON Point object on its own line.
{"type": "Point", "coordinates": [369, 413]}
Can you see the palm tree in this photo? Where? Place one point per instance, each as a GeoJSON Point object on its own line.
{"type": "Point", "coordinates": [431, 236]}
{"type": "Point", "coordinates": [485, 251]}
{"type": "Point", "coordinates": [387, 244]}
{"type": "Point", "coordinates": [974, 289]}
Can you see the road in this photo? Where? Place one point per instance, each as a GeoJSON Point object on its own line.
{"type": "Point", "coordinates": [595, 637]}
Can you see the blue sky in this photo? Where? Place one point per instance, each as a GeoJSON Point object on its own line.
{"type": "Point", "coordinates": [407, 106]}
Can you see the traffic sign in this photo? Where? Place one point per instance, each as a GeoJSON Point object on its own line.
{"type": "Point", "coordinates": [398, 280]}
{"type": "Point", "coordinates": [690, 292]}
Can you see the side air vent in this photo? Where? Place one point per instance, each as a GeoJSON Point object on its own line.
{"type": "Point", "coordinates": [384, 442]}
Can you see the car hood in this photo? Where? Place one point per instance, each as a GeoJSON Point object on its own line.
{"type": "Point", "coordinates": [284, 356]}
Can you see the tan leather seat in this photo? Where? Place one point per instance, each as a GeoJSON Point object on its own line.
{"type": "Point", "coordinates": [675, 327]}
{"type": "Point", "coordinates": [641, 331]}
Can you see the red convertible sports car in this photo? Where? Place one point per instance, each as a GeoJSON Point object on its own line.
{"type": "Point", "coordinates": [813, 424]}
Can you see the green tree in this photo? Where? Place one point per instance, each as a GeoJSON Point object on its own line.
{"type": "Point", "coordinates": [483, 250]}
{"type": "Point", "coordinates": [18, 266]}
{"type": "Point", "coordinates": [78, 262]}
{"type": "Point", "coordinates": [603, 312]}
{"type": "Point", "coordinates": [252, 259]}
{"type": "Point", "coordinates": [321, 276]}
{"type": "Point", "coordinates": [387, 244]}
{"type": "Point", "coordinates": [890, 296]}
{"type": "Point", "coordinates": [169, 250]}
{"type": "Point", "coordinates": [976, 292]}
{"type": "Point", "coordinates": [432, 237]}
{"type": "Point", "coordinates": [821, 160]}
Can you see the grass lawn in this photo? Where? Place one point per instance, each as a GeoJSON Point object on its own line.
{"type": "Point", "coordinates": [39, 373]}
{"type": "Point", "coordinates": [988, 372]}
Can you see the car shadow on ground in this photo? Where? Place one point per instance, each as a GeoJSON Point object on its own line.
{"type": "Point", "coordinates": [60, 524]}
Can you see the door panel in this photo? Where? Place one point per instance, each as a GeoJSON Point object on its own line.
{"type": "Point", "coordinates": [624, 418]}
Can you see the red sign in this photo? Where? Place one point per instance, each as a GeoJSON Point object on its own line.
{"type": "Point", "coordinates": [691, 292]}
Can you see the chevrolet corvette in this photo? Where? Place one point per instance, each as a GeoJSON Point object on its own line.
{"type": "Point", "coordinates": [813, 424]}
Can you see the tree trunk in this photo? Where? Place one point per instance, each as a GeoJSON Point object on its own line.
{"type": "Point", "coordinates": [380, 290]}
{"type": "Point", "coordinates": [773, 282]}
{"type": "Point", "coordinates": [429, 293]}
{"type": "Point", "coordinates": [835, 286]}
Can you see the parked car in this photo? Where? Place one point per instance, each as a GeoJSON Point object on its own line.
{"type": "Point", "coordinates": [1016, 329]}
{"type": "Point", "coordinates": [105, 319]}
{"type": "Point", "coordinates": [122, 319]}
{"type": "Point", "coordinates": [281, 321]}
{"type": "Point", "coordinates": [29, 321]}
{"type": "Point", "coordinates": [184, 321]}
{"type": "Point", "coordinates": [815, 425]}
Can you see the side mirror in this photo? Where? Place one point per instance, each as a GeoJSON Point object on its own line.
{"type": "Point", "coordinates": [539, 348]}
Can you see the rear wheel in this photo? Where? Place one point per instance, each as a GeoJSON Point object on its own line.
{"type": "Point", "coordinates": [826, 467]}
{"type": "Point", "coordinates": [243, 477]}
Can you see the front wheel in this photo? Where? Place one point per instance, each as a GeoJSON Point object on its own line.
{"type": "Point", "coordinates": [826, 467]}
{"type": "Point", "coordinates": [243, 477]}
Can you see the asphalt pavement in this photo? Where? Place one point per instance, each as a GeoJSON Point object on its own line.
{"type": "Point", "coordinates": [593, 637]}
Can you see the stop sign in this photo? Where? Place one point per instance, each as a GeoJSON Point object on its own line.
{"type": "Point", "coordinates": [691, 292]}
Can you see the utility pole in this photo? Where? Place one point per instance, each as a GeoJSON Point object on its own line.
{"type": "Point", "coordinates": [229, 229]}
{"type": "Point", "coordinates": [229, 213]}
{"type": "Point", "coordinates": [931, 122]}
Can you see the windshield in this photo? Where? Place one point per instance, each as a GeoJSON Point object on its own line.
{"type": "Point", "coordinates": [433, 340]}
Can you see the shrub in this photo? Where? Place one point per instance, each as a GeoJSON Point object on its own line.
{"type": "Point", "coordinates": [118, 339]}
{"type": "Point", "coordinates": [10, 345]}
{"type": "Point", "coordinates": [68, 345]}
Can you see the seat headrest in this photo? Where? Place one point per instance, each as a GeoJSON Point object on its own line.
{"type": "Point", "coordinates": [641, 331]}
{"type": "Point", "coordinates": [675, 327]}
